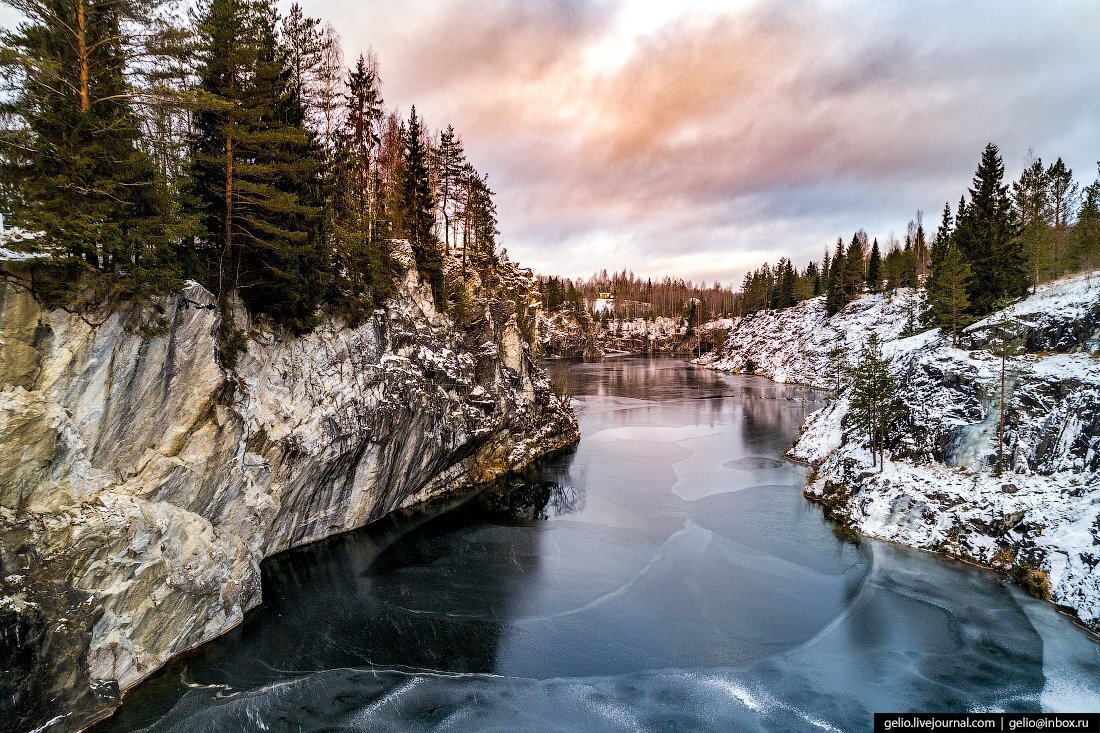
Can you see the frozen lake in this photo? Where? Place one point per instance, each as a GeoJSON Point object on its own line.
{"type": "Point", "coordinates": [668, 575]}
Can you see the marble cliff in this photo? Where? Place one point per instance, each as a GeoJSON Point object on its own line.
{"type": "Point", "coordinates": [142, 482]}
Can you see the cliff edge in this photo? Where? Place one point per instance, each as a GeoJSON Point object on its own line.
{"type": "Point", "coordinates": [141, 483]}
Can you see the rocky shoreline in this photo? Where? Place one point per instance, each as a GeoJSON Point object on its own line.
{"type": "Point", "coordinates": [142, 483]}
{"type": "Point", "coordinates": [1037, 519]}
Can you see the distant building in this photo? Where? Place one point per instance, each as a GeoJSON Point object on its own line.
{"type": "Point", "coordinates": [604, 302]}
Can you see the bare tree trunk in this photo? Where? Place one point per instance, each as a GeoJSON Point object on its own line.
{"type": "Point", "coordinates": [229, 182]}
{"type": "Point", "coordinates": [82, 55]}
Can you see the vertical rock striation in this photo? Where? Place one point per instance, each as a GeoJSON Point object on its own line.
{"type": "Point", "coordinates": [141, 483]}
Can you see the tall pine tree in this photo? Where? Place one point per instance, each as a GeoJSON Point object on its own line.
{"type": "Point", "coordinates": [985, 235]}
{"type": "Point", "coordinates": [874, 268]}
{"type": "Point", "coordinates": [452, 160]}
{"type": "Point", "coordinates": [415, 214]}
{"type": "Point", "coordinates": [360, 255]}
{"type": "Point", "coordinates": [257, 171]}
{"type": "Point", "coordinates": [71, 166]}
{"type": "Point", "coordinates": [1031, 199]}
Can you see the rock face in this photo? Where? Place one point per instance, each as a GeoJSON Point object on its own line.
{"type": "Point", "coordinates": [567, 334]}
{"type": "Point", "coordinates": [141, 483]}
{"type": "Point", "coordinates": [570, 335]}
{"type": "Point", "coordinates": [1038, 518]}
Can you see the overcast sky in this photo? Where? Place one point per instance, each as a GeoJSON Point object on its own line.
{"type": "Point", "coordinates": [700, 139]}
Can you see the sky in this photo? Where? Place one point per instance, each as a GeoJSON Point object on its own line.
{"type": "Point", "coordinates": [700, 139]}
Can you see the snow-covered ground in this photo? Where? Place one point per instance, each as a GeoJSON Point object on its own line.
{"type": "Point", "coordinates": [1039, 517]}
{"type": "Point", "coordinates": [792, 345]}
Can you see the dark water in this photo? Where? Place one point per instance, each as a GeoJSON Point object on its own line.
{"type": "Point", "coordinates": [668, 575]}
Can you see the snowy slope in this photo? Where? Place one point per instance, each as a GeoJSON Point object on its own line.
{"type": "Point", "coordinates": [939, 489]}
{"type": "Point", "coordinates": [792, 345]}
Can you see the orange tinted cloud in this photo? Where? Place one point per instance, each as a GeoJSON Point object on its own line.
{"type": "Point", "coordinates": [740, 132]}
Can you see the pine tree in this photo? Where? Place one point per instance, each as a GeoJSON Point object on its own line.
{"type": "Point", "coordinates": [257, 171]}
{"type": "Point", "coordinates": [1031, 199]}
{"type": "Point", "coordinates": [1085, 245]}
{"type": "Point", "coordinates": [415, 215]}
{"type": "Point", "coordinates": [480, 215]}
{"type": "Point", "coordinates": [452, 161]}
{"type": "Point", "coordinates": [948, 297]}
{"type": "Point", "coordinates": [873, 402]}
{"type": "Point", "coordinates": [1064, 196]}
{"type": "Point", "coordinates": [834, 296]}
{"type": "Point", "coordinates": [305, 49]}
{"type": "Point", "coordinates": [836, 368]}
{"type": "Point", "coordinates": [783, 294]}
{"type": "Point", "coordinates": [943, 236]}
{"type": "Point", "coordinates": [327, 96]}
{"type": "Point", "coordinates": [361, 258]}
{"type": "Point", "coordinates": [874, 268]}
{"type": "Point", "coordinates": [71, 166]}
{"type": "Point", "coordinates": [1004, 347]}
{"type": "Point", "coordinates": [813, 277]}
{"type": "Point", "coordinates": [921, 255]}
{"type": "Point", "coordinates": [985, 234]}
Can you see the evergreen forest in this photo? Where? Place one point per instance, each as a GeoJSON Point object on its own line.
{"type": "Point", "coordinates": [142, 145]}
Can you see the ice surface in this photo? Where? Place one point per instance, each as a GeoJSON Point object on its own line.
{"type": "Point", "coordinates": [643, 603]}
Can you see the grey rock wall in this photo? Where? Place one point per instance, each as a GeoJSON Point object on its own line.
{"type": "Point", "coordinates": [141, 483]}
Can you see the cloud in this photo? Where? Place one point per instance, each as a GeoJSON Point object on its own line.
{"type": "Point", "coordinates": [693, 142]}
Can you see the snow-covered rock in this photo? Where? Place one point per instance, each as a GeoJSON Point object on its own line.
{"type": "Point", "coordinates": [792, 345]}
{"type": "Point", "coordinates": [567, 334]}
{"type": "Point", "coordinates": [1038, 517]}
{"type": "Point", "coordinates": [141, 483]}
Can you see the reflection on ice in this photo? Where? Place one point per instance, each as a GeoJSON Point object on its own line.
{"type": "Point", "coordinates": [667, 575]}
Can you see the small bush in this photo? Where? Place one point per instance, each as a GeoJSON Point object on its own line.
{"type": "Point", "coordinates": [1031, 579]}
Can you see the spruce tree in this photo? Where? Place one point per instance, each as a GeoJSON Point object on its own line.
{"type": "Point", "coordinates": [874, 268]}
{"type": "Point", "coordinates": [415, 217]}
{"type": "Point", "coordinates": [71, 166]}
{"type": "Point", "coordinates": [985, 234]}
{"type": "Point", "coordinates": [948, 297]}
{"type": "Point", "coordinates": [873, 402]}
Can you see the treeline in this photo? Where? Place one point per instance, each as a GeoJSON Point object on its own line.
{"type": "Point", "coordinates": [1002, 239]}
{"type": "Point", "coordinates": [843, 274]}
{"type": "Point", "coordinates": [230, 145]}
{"type": "Point", "coordinates": [638, 298]}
